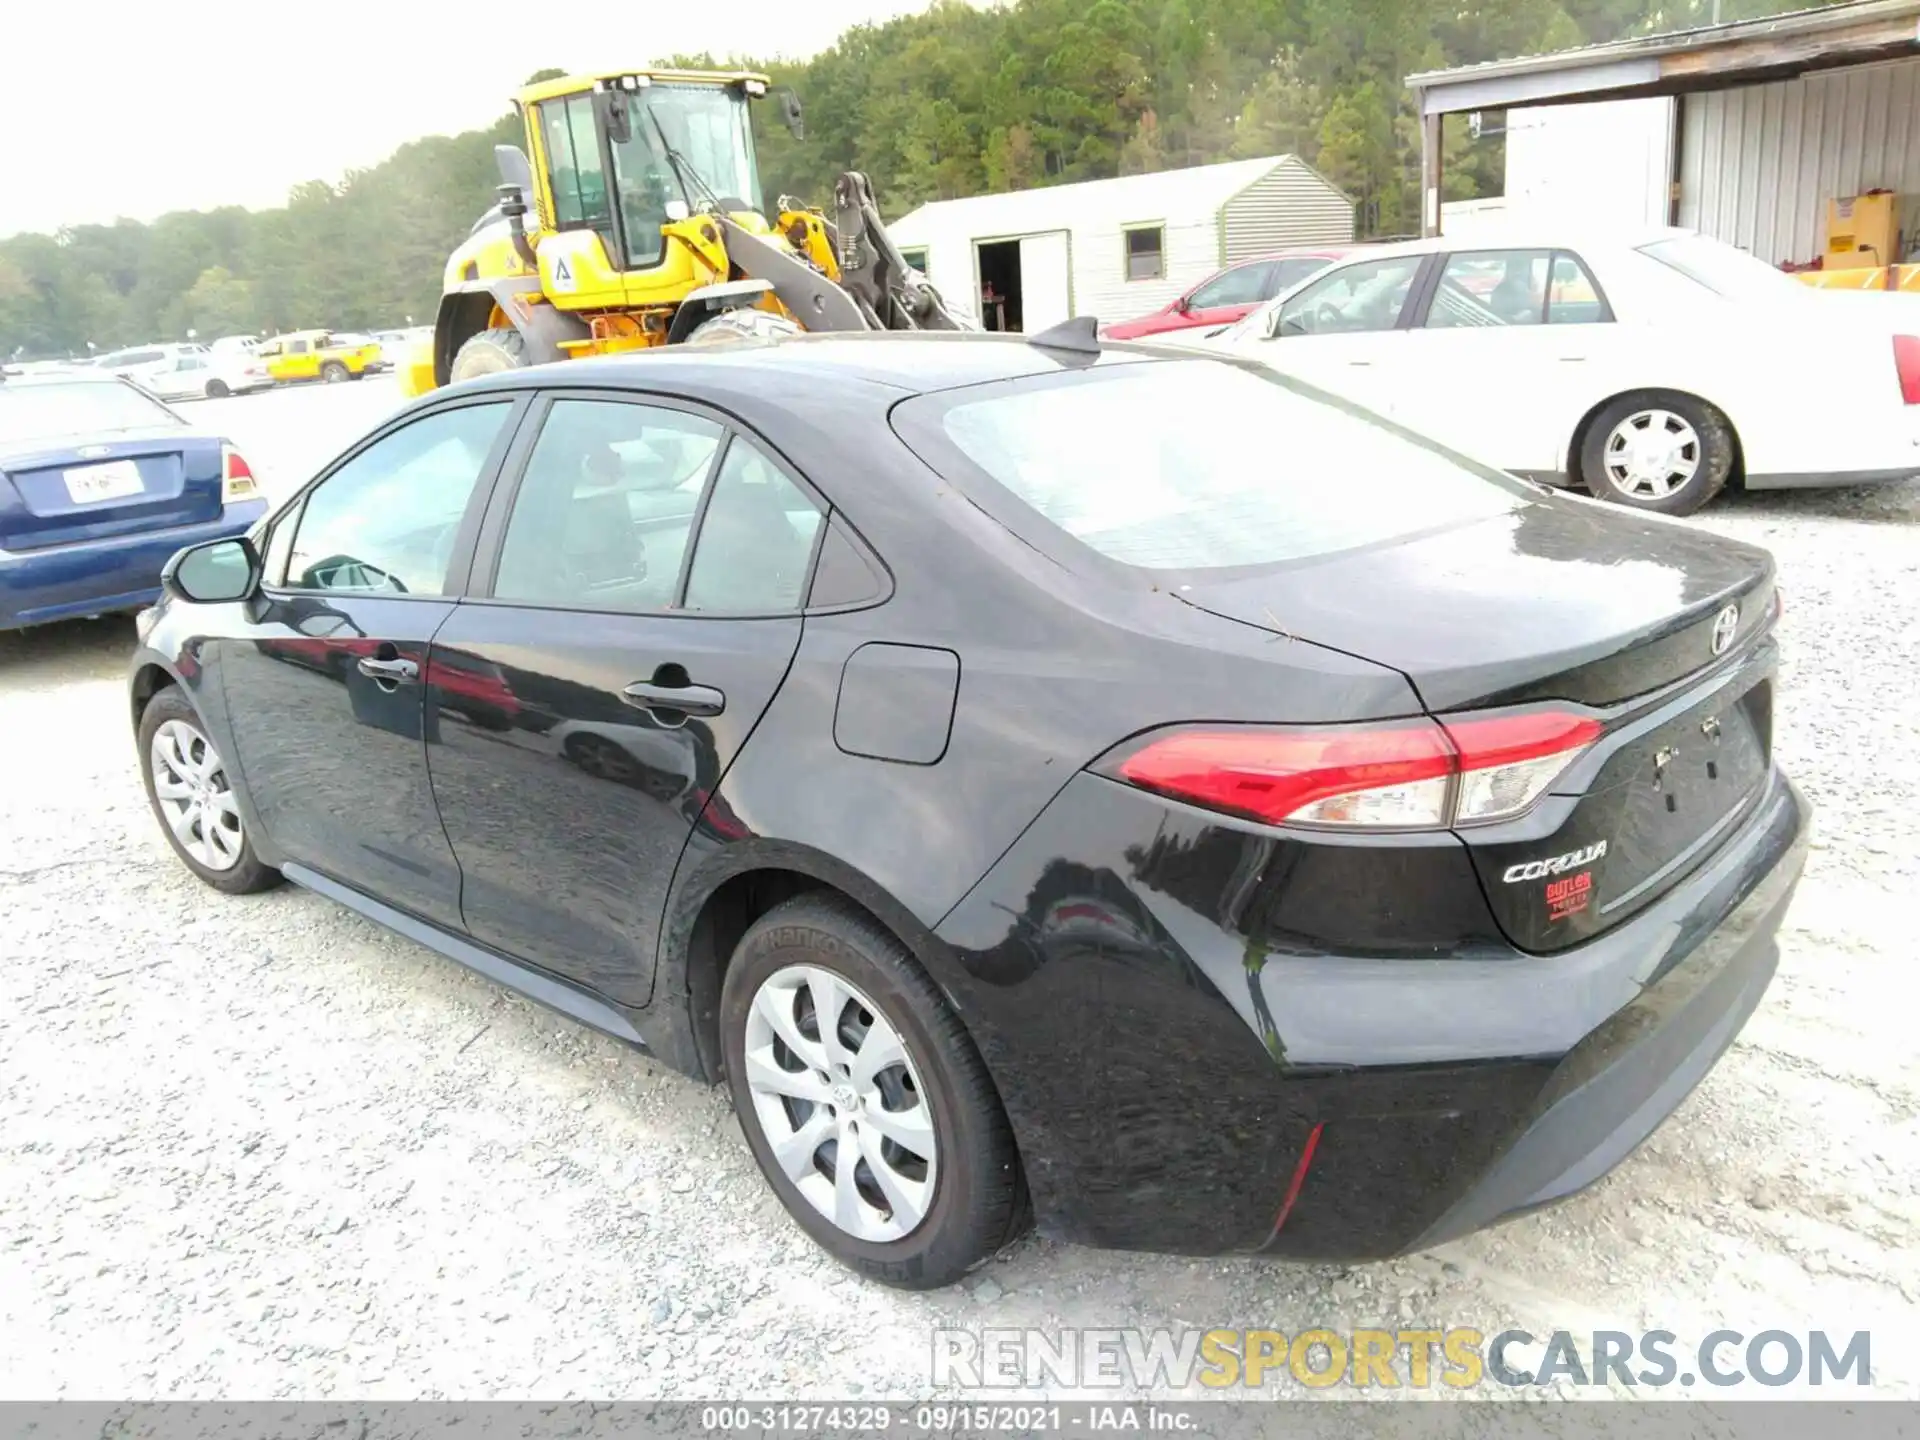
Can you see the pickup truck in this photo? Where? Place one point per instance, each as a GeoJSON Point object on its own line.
{"type": "Point", "coordinates": [317, 355]}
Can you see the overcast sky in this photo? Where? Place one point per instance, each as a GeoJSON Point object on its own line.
{"type": "Point", "coordinates": [135, 107]}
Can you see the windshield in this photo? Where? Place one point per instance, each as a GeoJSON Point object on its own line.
{"type": "Point", "coordinates": [84, 407]}
{"type": "Point", "coordinates": [1194, 465]}
{"type": "Point", "coordinates": [1730, 273]}
{"type": "Point", "coordinates": [707, 126]}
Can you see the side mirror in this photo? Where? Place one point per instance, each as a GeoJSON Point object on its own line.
{"type": "Point", "coordinates": [514, 168]}
{"type": "Point", "coordinates": [791, 116]}
{"type": "Point", "coordinates": [1182, 305]}
{"type": "Point", "coordinates": [614, 114]}
{"type": "Point", "coordinates": [214, 572]}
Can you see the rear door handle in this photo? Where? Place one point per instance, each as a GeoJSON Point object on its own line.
{"type": "Point", "coordinates": [682, 699]}
{"type": "Point", "coordinates": [393, 672]}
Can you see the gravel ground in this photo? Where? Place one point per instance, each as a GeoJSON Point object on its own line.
{"type": "Point", "coordinates": [261, 1148]}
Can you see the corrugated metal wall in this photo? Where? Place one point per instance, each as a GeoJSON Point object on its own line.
{"type": "Point", "coordinates": [1757, 165]}
{"type": "Point", "coordinates": [1292, 205]}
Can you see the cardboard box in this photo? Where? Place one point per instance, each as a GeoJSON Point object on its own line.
{"type": "Point", "coordinates": [1863, 230]}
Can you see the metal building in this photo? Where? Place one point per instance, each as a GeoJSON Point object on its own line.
{"type": "Point", "coordinates": [1116, 248]}
{"type": "Point", "coordinates": [1744, 131]}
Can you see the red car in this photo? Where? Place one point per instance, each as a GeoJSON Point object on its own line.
{"type": "Point", "coordinates": [1224, 298]}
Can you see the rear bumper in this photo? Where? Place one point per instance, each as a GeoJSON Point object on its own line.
{"type": "Point", "coordinates": [1616, 1087]}
{"type": "Point", "coordinates": [1168, 1041]}
{"type": "Point", "coordinates": [68, 581]}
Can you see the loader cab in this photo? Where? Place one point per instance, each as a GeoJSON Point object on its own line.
{"type": "Point", "coordinates": [619, 159]}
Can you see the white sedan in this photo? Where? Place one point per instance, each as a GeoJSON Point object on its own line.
{"type": "Point", "coordinates": [1651, 370]}
{"type": "Point", "coordinates": [213, 374]}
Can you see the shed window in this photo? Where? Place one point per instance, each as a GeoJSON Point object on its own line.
{"type": "Point", "coordinates": [916, 256]}
{"type": "Point", "coordinates": [1146, 252]}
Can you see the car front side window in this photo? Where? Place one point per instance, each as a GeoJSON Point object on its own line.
{"type": "Point", "coordinates": [385, 522]}
{"type": "Point", "coordinates": [1366, 296]}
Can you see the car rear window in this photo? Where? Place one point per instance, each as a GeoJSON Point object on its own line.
{"type": "Point", "coordinates": [78, 408]}
{"type": "Point", "coordinates": [1196, 465]}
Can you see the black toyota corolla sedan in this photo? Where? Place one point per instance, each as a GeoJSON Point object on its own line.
{"type": "Point", "coordinates": [1107, 788]}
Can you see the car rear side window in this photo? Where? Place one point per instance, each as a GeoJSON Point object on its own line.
{"type": "Point", "coordinates": [609, 498]}
{"type": "Point", "coordinates": [1194, 465]}
{"type": "Point", "coordinates": [385, 522]}
{"type": "Point", "coordinates": [756, 539]}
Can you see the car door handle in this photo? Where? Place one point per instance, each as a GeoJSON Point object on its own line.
{"type": "Point", "coordinates": [682, 699]}
{"type": "Point", "coordinates": [1360, 364]}
{"type": "Point", "coordinates": [392, 672]}
{"type": "Point", "coordinates": [1571, 359]}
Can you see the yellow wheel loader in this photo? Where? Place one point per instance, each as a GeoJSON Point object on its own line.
{"type": "Point", "coordinates": [634, 218]}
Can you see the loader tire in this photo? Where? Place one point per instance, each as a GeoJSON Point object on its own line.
{"type": "Point", "coordinates": [760, 326]}
{"type": "Point", "coordinates": [488, 353]}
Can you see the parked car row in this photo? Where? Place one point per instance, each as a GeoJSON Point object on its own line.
{"type": "Point", "coordinates": [238, 364]}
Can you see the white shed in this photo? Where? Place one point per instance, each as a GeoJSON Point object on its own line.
{"type": "Point", "coordinates": [1116, 248]}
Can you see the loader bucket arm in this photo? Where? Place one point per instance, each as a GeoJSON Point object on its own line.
{"type": "Point", "coordinates": [874, 272]}
{"type": "Point", "coordinates": [816, 302]}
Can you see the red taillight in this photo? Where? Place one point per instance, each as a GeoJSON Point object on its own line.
{"type": "Point", "coordinates": [1310, 776]}
{"type": "Point", "coordinates": [1507, 761]}
{"type": "Point", "coordinates": [1405, 775]}
{"type": "Point", "coordinates": [1906, 361]}
{"type": "Point", "coordinates": [236, 477]}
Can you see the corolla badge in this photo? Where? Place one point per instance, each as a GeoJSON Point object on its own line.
{"type": "Point", "coordinates": [94, 452]}
{"type": "Point", "coordinates": [1724, 624]}
{"type": "Point", "coordinates": [1554, 865]}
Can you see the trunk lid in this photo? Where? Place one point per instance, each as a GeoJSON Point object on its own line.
{"type": "Point", "coordinates": [63, 492]}
{"type": "Point", "coordinates": [1610, 614]}
{"type": "Point", "coordinates": [1556, 599]}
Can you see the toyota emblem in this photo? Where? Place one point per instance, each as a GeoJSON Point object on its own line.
{"type": "Point", "coordinates": [1724, 624]}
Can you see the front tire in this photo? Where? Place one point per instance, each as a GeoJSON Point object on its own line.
{"type": "Point", "coordinates": [193, 798]}
{"type": "Point", "coordinates": [1657, 451]}
{"type": "Point", "coordinates": [488, 353]}
{"type": "Point", "coordinates": [217, 390]}
{"type": "Point", "coordinates": [333, 372]}
{"type": "Point", "coordinates": [759, 326]}
{"type": "Point", "coordinates": [863, 1098]}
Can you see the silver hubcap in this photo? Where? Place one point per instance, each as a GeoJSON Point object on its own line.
{"type": "Point", "coordinates": [1652, 454]}
{"type": "Point", "coordinates": [840, 1103]}
{"type": "Point", "coordinates": [190, 782]}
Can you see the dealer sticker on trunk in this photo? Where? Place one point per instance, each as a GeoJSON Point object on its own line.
{"type": "Point", "coordinates": [113, 480]}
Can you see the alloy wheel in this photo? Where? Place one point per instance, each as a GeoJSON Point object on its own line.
{"type": "Point", "coordinates": [1651, 454]}
{"type": "Point", "coordinates": [841, 1103]}
{"type": "Point", "coordinates": [190, 783]}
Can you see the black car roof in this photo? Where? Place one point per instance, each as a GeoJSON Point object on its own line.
{"type": "Point", "coordinates": [906, 362]}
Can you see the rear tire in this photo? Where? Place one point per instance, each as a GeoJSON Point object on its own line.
{"type": "Point", "coordinates": [1657, 450]}
{"type": "Point", "coordinates": [755, 326]}
{"type": "Point", "coordinates": [217, 390]}
{"type": "Point", "coordinates": [956, 1189]}
{"type": "Point", "coordinates": [489, 353]}
{"type": "Point", "coordinates": [333, 372]}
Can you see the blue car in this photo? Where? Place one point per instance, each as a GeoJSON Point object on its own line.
{"type": "Point", "coordinates": [99, 484]}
